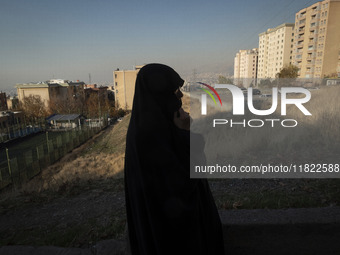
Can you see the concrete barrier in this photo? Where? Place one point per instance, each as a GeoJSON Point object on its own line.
{"type": "Point", "coordinates": [286, 231]}
{"type": "Point", "coordinates": [306, 231]}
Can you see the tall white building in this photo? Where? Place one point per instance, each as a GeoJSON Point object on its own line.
{"type": "Point", "coordinates": [245, 67]}
{"type": "Point", "coordinates": [275, 50]}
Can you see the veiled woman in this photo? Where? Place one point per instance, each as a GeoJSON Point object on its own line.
{"type": "Point", "coordinates": [167, 212]}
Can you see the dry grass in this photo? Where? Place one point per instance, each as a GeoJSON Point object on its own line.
{"type": "Point", "coordinates": [325, 109]}
{"type": "Point", "coordinates": [101, 158]}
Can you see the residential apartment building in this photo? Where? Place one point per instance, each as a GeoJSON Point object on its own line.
{"type": "Point", "coordinates": [124, 84]}
{"type": "Point", "coordinates": [317, 40]}
{"type": "Point", "coordinates": [275, 50]}
{"type": "Point", "coordinates": [3, 102]}
{"type": "Point", "coordinates": [12, 102]}
{"type": "Point", "coordinates": [245, 67]}
{"type": "Point", "coordinates": [53, 89]}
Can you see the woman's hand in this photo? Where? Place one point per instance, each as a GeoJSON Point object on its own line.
{"type": "Point", "coordinates": [182, 121]}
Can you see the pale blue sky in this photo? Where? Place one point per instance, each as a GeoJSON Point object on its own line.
{"type": "Point", "coordinates": [68, 39]}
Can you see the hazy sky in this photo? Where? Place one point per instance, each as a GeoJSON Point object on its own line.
{"type": "Point", "coordinates": [68, 39]}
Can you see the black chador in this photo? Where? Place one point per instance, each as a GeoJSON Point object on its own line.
{"type": "Point", "coordinates": [167, 212]}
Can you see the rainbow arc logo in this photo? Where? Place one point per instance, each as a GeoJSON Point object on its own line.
{"type": "Point", "coordinates": [208, 92]}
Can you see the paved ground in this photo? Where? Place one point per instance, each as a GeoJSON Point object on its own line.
{"type": "Point", "coordinates": [285, 231]}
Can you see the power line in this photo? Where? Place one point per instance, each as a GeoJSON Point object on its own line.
{"type": "Point", "coordinates": [267, 23]}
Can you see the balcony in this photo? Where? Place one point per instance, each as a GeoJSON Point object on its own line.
{"type": "Point", "coordinates": [314, 26]}
{"type": "Point", "coordinates": [301, 37]}
{"type": "Point", "coordinates": [309, 70]}
{"type": "Point", "coordinates": [315, 9]}
{"type": "Point", "coordinates": [310, 56]}
{"type": "Point", "coordinates": [312, 35]}
{"type": "Point", "coordinates": [302, 15]}
{"type": "Point", "coordinates": [302, 22]}
{"type": "Point", "coordinates": [299, 45]}
{"type": "Point", "coordinates": [312, 43]}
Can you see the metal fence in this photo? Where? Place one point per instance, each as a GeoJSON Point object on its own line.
{"type": "Point", "coordinates": [26, 164]}
{"type": "Point", "coordinates": [19, 130]}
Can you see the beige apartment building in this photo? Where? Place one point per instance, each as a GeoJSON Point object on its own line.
{"type": "Point", "coordinates": [275, 50]}
{"type": "Point", "coordinates": [53, 89]}
{"type": "Point", "coordinates": [245, 67]}
{"type": "Point", "coordinates": [317, 40]}
{"type": "Point", "coordinates": [124, 84]}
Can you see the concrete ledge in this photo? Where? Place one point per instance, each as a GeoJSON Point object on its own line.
{"type": "Point", "coordinates": [286, 231]}
{"type": "Point", "coordinates": [107, 247]}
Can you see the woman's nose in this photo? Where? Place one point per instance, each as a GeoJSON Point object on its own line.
{"type": "Point", "coordinates": [179, 94]}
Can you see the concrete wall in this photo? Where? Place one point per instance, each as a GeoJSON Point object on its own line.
{"type": "Point", "coordinates": [42, 92]}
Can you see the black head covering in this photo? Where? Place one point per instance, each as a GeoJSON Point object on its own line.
{"type": "Point", "coordinates": [165, 208]}
{"type": "Point", "coordinates": [155, 101]}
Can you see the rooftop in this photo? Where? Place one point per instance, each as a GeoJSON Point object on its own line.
{"type": "Point", "coordinates": [50, 83]}
{"type": "Point", "coordinates": [63, 117]}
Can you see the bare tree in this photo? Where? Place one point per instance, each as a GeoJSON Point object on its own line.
{"type": "Point", "coordinates": [33, 107]}
{"type": "Point", "coordinates": [73, 102]}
